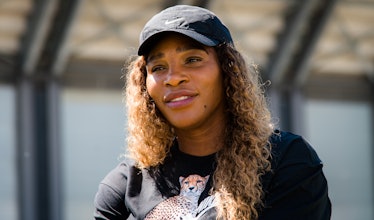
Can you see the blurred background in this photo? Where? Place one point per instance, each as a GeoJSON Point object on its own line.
{"type": "Point", "coordinates": [62, 120]}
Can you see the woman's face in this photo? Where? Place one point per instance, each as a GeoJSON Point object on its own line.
{"type": "Point", "coordinates": [185, 82]}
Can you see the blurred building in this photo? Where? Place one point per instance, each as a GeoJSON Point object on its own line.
{"type": "Point", "coordinates": [62, 121]}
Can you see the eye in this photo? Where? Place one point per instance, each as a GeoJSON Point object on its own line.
{"type": "Point", "coordinates": [157, 68]}
{"type": "Point", "coordinates": [193, 59]}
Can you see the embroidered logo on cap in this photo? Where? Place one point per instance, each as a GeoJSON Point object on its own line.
{"type": "Point", "coordinates": [167, 22]}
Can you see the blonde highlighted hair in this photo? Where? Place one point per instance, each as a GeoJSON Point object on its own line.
{"type": "Point", "coordinates": [245, 155]}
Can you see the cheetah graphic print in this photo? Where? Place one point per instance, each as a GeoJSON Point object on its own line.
{"type": "Point", "coordinates": [185, 205]}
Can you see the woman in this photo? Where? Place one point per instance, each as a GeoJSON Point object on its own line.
{"type": "Point", "coordinates": [201, 143]}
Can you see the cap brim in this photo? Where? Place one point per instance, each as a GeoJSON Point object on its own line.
{"type": "Point", "coordinates": [147, 44]}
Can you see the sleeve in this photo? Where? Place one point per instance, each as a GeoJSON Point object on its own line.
{"type": "Point", "coordinates": [297, 188]}
{"type": "Point", "coordinates": [109, 200]}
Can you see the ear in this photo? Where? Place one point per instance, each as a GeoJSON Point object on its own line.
{"type": "Point", "coordinates": [181, 178]}
{"type": "Point", "coordinates": [206, 178]}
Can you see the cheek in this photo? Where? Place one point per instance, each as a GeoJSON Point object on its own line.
{"type": "Point", "coordinates": [150, 84]}
{"type": "Point", "coordinates": [153, 88]}
{"type": "Point", "coordinates": [217, 84]}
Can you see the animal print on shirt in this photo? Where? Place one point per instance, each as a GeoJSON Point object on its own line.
{"type": "Point", "coordinates": [185, 204]}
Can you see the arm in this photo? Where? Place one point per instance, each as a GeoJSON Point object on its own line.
{"type": "Point", "coordinates": [297, 187]}
{"type": "Point", "coordinates": [109, 200]}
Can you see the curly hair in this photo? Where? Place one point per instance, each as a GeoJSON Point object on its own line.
{"type": "Point", "coordinates": [245, 156]}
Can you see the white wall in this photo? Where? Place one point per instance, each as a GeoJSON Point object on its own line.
{"type": "Point", "coordinates": [93, 139]}
{"type": "Point", "coordinates": [342, 135]}
{"type": "Point", "coordinates": [8, 197]}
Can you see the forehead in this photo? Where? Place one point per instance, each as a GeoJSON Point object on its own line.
{"type": "Point", "coordinates": [174, 41]}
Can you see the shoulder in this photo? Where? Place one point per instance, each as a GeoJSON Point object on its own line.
{"type": "Point", "coordinates": [119, 175]}
{"type": "Point", "coordinates": [112, 191]}
{"type": "Point", "coordinates": [291, 148]}
{"type": "Point", "coordinates": [296, 187]}
{"type": "Point", "coordinates": [291, 156]}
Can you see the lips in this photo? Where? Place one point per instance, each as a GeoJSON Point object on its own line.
{"type": "Point", "coordinates": [179, 99]}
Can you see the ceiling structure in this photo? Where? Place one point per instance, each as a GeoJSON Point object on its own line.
{"type": "Point", "coordinates": [285, 37]}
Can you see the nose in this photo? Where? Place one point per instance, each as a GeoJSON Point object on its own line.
{"type": "Point", "coordinates": [175, 76]}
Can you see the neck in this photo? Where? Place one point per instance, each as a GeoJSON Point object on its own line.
{"type": "Point", "coordinates": [201, 142]}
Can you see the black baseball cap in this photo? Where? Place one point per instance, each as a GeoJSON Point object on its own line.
{"type": "Point", "coordinates": [195, 22]}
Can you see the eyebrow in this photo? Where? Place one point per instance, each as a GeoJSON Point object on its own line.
{"type": "Point", "coordinates": [183, 48]}
{"type": "Point", "coordinates": [154, 57]}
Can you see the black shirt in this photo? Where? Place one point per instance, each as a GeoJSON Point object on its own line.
{"type": "Point", "coordinates": [296, 188]}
